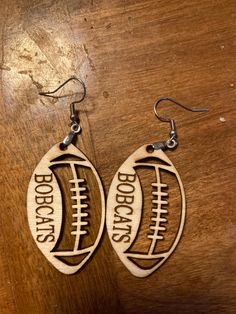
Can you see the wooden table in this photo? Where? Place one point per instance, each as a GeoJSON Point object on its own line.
{"type": "Point", "coordinates": [129, 53]}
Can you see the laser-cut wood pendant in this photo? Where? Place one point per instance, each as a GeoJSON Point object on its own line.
{"type": "Point", "coordinates": [46, 208]}
{"type": "Point", "coordinates": [124, 211]}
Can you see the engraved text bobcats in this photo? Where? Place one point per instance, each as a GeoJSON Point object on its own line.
{"type": "Point", "coordinates": [44, 211]}
{"type": "Point", "coordinates": [123, 210]}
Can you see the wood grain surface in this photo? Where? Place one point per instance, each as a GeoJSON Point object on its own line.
{"type": "Point", "coordinates": [129, 53]}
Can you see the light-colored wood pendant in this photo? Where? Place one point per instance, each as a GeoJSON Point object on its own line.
{"type": "Point", "coordinates": [124, 211]}
{"type": "Point", "coordinates": [46, 208]}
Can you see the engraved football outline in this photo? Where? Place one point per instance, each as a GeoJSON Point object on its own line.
{"type": "Point", "coordinates": [78, 209]}
{"type": "Point", "coordinates": [123, 250]}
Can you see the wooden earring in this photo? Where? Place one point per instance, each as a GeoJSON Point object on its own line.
{"type": "Point", "coordinates": [125, 204]}
{"type": "Point", "coordinates": [46, 205]}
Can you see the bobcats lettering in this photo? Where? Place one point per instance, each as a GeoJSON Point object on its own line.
{"type": "Point", "coordinates": [123, 211]}
{"type": "Point", "coordinates": [44, 198]}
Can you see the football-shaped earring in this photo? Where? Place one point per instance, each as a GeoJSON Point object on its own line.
{"type": "Point", "coordinates": [126, 199]}
{"type": "Point", "coordinates": [50, 212]}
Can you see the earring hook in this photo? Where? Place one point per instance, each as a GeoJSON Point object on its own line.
{"type": "Point", "coordinates": [172, 142]}
{"type": "Point", "coordinates": [75, 125]}
{"type": "Point", "coordinates": [164, 119]}
{"type": "Point", "coordinates": [72, 105]}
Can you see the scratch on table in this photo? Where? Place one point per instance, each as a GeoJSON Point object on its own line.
{"type": "Point", "coordinates": [28, 58]}
{"type": "Point", "coordinates": [5, 68]}
{"type": "Point", "coordinates": [36, 84]}
{"type": "Point", "coordinates": [88, 57]}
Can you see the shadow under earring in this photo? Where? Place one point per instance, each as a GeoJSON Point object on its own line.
{"type": "Point", "coordinates": [126, 201]}
{"type": "Point", "coordinates": [47, 209]}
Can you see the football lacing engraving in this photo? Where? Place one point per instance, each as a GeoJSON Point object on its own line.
{"type": "Point", "coordinates": [157, 219]}
{"type": "Point", "coordinates": [79, 223]}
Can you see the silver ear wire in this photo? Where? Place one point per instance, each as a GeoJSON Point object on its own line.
{"type": "Point", "coordinates": [75, 123]}
{"type": "Point", "coordinates": [172, 141]}
{"type": "Point", "coordinates": [72, 78]}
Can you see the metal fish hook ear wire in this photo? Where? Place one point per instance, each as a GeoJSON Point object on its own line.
{"type": "Point", "coordinates": [75, 122]}
{"type": "Point", "coordinates": [172, 141]}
